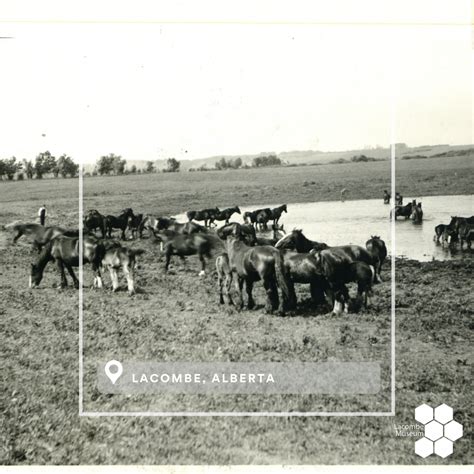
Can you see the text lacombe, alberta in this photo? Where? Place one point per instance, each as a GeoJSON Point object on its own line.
{"type": "Point", "coordinates": [408, 431]}
{"type": "Point", "coordinates": [197, 378]}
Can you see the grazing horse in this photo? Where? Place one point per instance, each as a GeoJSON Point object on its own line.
{"type": "Point", "coordinates": [251, 264]}
{"type": "Point", "coordinates": [117, 257]}
{"type": "Point", "coordinates": [402, 211]}
{"type": "Point", "coordinates": [377, 248]}
{"type": "Point", "coordinates": [296, 240]}
{"type": "Point", "coordinates": [277, 212]}
{"type": "Point", "coordinates": [134, 224]}
{"type": "Point", "coordinates": [303, 268]}
{"type": "Point", "coordinates": [206, 215]}
{"type": "Point", "coordinates": [339, 269]}
{"type": "Point", "coordinates": [417, 214]}
{"type": "Point", "coordinates": [185, 245]}
{"type": "Point", "coordinates": [94, 220]}
{"type": "Point", "coordinates": [41, 235]}
{"type": "Point", "coordinates": [246, 232]}
{"type": "Point", "coordinates": [226, 214]}
{"type": "Point", "coordinates": [118, 222]}
{"type": "Point", "coordinates": [386, 197]}
{"type": "Point", "coordinates": [65, 252]}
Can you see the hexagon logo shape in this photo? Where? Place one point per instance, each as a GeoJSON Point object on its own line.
{"type": "Point", "coordinates": [424, 447]}
{"type": "Point", "coordinates": [453, 430]}
{"type": "Point", "coordinates": [424, 413]}
{"type": "Point", "coordinates": [443, 447]}
{"type": "Point", "coordinates": [443, 414]}
{"type": "Point", "coordinates": [434, 430]}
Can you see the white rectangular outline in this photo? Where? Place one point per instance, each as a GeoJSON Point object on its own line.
{"type": "Point", "coordinates": [83, 413]}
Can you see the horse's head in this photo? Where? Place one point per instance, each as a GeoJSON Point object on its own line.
{"type": "Point", "coordinates": [286, 242]}
{"type": "Point", "coordinates": [237, 209]}
{"type": "Point", "coordinates": [283, 208]}
{"type": "Point", "coordinates": [127, 212]}
{"type": "Point", "coordinates": [36, 275]}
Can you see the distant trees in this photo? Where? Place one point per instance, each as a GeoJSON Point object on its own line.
{"type": "Point", "coordinates": [149, 167]}
{"type": "Point", "coordinates": [269, 160]}
{"type": "Point", "coordinates": [172, 165]}
{"type": "Point", "coordinates": [224, 164]}
{"type": "Point", "coordinates": [44, 164]}
{"type": "Point", "coordinates": [110, 163]}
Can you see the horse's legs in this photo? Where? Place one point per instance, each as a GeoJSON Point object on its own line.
{"type": "Point", "coordinates": [60, 266]}
{"type": "Point", "coordinates": [203, 264]}
{"type": "Point", "coordinates": [114, 278]}
{"type": "Point", "coordinates": [292, 302]}
{"type": "Point", "coordinates": [220, 284]}
{"type": "Point", "coordinates": [271, 289]}
{"type": "Point", "coordinates": [17, 236]}
{"type": "Point", "coordinates": [73, 275]}
{"type": "Point", "coordinates": [239, 282]}
{"type": "Point", "coordinates": [249, 288]}
{"type": "Point", "coordinates": [317, 293]}
{"type": "Point", "coordinates": [129, 274]}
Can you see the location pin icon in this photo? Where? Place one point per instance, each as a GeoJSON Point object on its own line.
{"type": "Point", "coordinates": [116, 371]}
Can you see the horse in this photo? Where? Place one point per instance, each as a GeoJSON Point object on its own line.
{"type": "Point", "coordinates": [296, 240]}
{"type": "Point", "coordinates": [465, 233]}
{"type": "Point", "coordinates": [185, 245]}
{"type": "Point", "coordinates": [417, 214]}
{"type": "Point", "coordinates": [118, 222]}
{"type": "Point", "coordinates": [277, 212]}
{"type": "Point", "coordinates": [117, 257]}
{"type": "Point", "coordinates": [41, 235]}
{"type": "Point", "coordinates": [439, 231]}
{"type": "Point", "coordinates": [226, 214]}
{"type": "Point", "coordinates": [303, 268]}
{"type": "Point", "coordinates": [246, 232]}
{"type": "Point", "coordinates": [251, 264]}
{"type": "Point", "coordinates": [338, 268]}
{"type": "Point", "coordinates": [456, 221]}
{"type": "Point", "coordinates": [386, 197]}
{"type": "Point", "coordinates": [134, 224]}
{"type": "Point", "coordinates": [206, 215]}
{"type": "Point", "coordinates": [398, 199]}
{"type": "Point", "coordinates": [377, 248]}
{"type": "Point", "coordinates": [65, 252]}
{"type": "Point", "coordinates": [262, 217]}
{"type": "Point", "coordinates": [94, 220]}
{"type": "Point", "coordinates": [250, 217]}
{"type": "Point", "coordinates": [402, 211]}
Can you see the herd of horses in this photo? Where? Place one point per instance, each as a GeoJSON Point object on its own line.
{"type": "Point", "coordinates": [244, 254]}
{"type": "Point", "coordinates": [460, 229]}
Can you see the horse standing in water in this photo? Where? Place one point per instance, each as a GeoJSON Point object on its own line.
{"type": "Point", "coordinates": [226, 214]}
{"type": "Point", "coordinates": [416, 213]}
{"type": "Point", "coordinates": [251, 264]}
{"type": "Point", "coordinates": [402, 211]}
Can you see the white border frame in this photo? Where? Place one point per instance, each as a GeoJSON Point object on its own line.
{"type": "Point", "coordinates": [390, 413]}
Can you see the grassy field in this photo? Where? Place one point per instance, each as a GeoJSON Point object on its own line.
{"type": "Point", "coordinates": [176, 317]}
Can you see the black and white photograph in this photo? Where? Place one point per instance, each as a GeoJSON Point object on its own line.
{"type": "Point", "coordinates": [236, 235]}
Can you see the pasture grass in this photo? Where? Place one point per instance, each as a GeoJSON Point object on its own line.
{"type": "Point", "coordinates": [176, 317]}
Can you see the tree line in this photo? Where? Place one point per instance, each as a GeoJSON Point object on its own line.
{"type": "Point", "coordinates": [44, 164]}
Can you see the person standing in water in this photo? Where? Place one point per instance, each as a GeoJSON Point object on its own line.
{"type": "Point", "coordinates": [42, 214]}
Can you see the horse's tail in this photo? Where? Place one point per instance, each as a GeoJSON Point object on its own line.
{"type": "Point", "coordinates": [372, 270]}
{"type": "Point", "coordinates": [282, 280]}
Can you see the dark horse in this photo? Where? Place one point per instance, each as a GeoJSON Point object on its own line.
{"type": "Point", "coordinates": [226, 214]}
{"type": "Point", "coordinates": [296, 240]}
{"type": "Point", "coordinates": [250, 217]}
{"type": "Point", "coordinates": [118, 222]}
{"type": "Point", "coordinates": [95, 220]}
{"type": "Point", "coordinates": [206, 215]}
{"type": "Point", "coordinates": [417, 214]}
{"type": "Point", "coordinates": [40, 235]}
{"type": "Point", "coordinates": [65, 252]}
{"type": "Point", "coordinates": [185, 245]}
{"type": "Point", "coordinates": [377, 248]}
{"type": "Point", "coordinates": [402, 211]}
{"type": "Point", "coordinates": [135, 225]}
{"type": "Point", "coordinates": [262, 217]}
{"type": "Point", "coordinates": [277, 212]}
{"type": "Point", "coordinates": [339, 268]}
{"type": "Point", "coordinates": [251, 264]}
{"type": "Point", "coordinates": [386, 197]}
{"type": "Point", "coordinates": [170, 223]}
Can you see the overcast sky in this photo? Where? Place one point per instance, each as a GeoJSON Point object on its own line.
{"type": "Point", "coordinates": [151, 91]}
